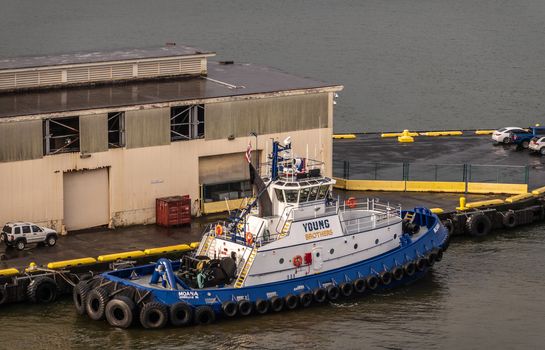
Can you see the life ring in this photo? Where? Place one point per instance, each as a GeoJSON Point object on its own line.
{"type": "Point", "coordinates": [249, 238]}
{"type": "Point", "coordinates": [510, 219]}
{"type": "Point", "coordinates": [218, 230]}
{"type": "Point", "coordinates": [297, 260]}
{"type": "Point", "coordinates": [351, 202]}
{"type": "Point", "coordinates": [478, 225]}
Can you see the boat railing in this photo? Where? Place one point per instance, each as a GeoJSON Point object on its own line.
{"type": "Point", "coordinates": [367, 214]}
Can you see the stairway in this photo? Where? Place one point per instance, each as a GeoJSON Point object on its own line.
{"type": "Point", "coordinates": [203, 249]}
{"type": "Point", "coordinates": [409, 216]}
{"type": "Point", "coordinates": [242, 277]}
{"type": "Point", "coordinates": [285, 228]}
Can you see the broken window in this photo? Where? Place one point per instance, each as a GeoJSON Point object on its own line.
{"type": "Point", "coordinates": [186, 122]}
{"type": "Point", "coordinates": [61, 135]}
{"type": "Point", "coordinates": [116, 129]}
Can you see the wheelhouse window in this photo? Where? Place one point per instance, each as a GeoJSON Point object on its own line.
{"type": "Point", "coordinates": [279, 194]}
{"type": "Point", "coordinates": [116, 129]}
{"type": "Point", "coordinates": [291, 195]}
{"type": "Point", "coordinates": [323, 191]}
{"type": "Point", "coordinates": [313, 193]}
{"type": "Point", "coordinates": [61, 135]}
{"type": "Point", "coordinates": [303, 197]}
{"type": "Point", "coordinates": [186, 122]}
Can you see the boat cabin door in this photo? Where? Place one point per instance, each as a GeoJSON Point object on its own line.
{"type": "Point", "coordinates": [317, 258]}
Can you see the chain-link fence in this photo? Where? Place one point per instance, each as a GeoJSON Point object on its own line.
{"type": "Point", "coordinates": [431, 172]}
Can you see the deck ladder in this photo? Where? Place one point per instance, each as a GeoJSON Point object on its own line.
{"type": "Point", "coordinates": [409, 216]}
{"type": "Point", "coordinates": [203, 249]}
{"type": "Point", "coordinates": [286, 228]}
{"type": "Point", "coordinates": [246, 268]}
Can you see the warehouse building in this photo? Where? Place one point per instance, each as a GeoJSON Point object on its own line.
{"type": "Point", "coordinates": [92, 139]}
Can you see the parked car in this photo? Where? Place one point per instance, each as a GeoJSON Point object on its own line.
{"type": "Point", "coordinates": [502, 135]}
{"type": "Point", "coordinates": [522, 139]}
{"type": "Point", "coordinates": [537, 144]}
{"type": "Point", "coordinates": [19, 234]}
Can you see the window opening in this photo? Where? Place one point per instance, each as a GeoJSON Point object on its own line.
{"type": "Point", "coordinates": [61, 135]}
{"type": "Point", "coordinates": [186, 122]}
{"type": "Point", "coordinates": [291, 196]}
{"type": "Point", "coordinates": [116, 129]}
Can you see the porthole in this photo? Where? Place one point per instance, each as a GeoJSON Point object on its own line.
{"type": "Point", "coordinates": [395, 235]}
{"type": "Point", "coordinates": [356, 246]}
{"type": "Point", "coordinates": [376, 241]}
{"type": "Point", "coordinates": [331, 251]}
{"type": "Point", "coordinates": [281, 260]}
{"type": "Point", "coordinates": [317, 254]}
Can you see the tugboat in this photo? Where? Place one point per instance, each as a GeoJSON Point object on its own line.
{"type": "Point", "coordinates": [294, 245]}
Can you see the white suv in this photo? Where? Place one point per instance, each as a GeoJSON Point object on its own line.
{"type": "Point", "coordinates": [19, 234]}
{"type": "Point", "coordinates": [502, 135]}
{"type": "Point", "coordinates": [537, 145]}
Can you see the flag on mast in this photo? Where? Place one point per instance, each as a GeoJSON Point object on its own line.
{"type": "Point", "coordinates": [249, 152]}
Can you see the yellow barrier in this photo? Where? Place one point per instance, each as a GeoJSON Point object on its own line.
{"type": "Point", "coordinates": [481, 187]}
{"type": "Point", "coordinates": [344, 136]}
{"type": "Point", "coordinates": [9, 272]}
{"type": "Point", "coordinates": [220, 206]}
{"type": "Point", "coordinates": [172, 248]}
{"type": "Point", "coordinates": [539, 190]}
{"type": "Point", "coordinates": [437, 210]}
{"type": "Point", "coordinates": [118, 256]}
{"type": "Point", "coordinates": [194, 245]}
{"type": "Point", "coordinates": [484, 203]}
{"type": "Point", "coordinates": [371, 185]}
{"type": "Point", "coordinates": [442, 133]}
{"type": "Point", "coordinates": [397, 134]}
{"type": "Point", "coordinates": [484, 132]}
{"type": "Point", "coordinates": [70, 263]}
{"type": "Point", "coordinates": [435, 186]}
{"type": "Point", "coordinates": [519, 197]}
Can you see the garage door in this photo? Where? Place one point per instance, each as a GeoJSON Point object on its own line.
{"type": "Point", "coordinates": [86, 199]}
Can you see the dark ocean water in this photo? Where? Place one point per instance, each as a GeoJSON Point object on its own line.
{"type": "Point", "coordinates": [417, 64]}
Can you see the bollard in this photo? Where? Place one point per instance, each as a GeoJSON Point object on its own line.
{"type": "Point", "coordinates": [462, 203]}
{"type": "Point", "coordinates": [405, 137]}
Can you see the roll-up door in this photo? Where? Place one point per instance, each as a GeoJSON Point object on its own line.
{"type": "Point", "coordinates": [86, 199]}
{"type": "Point", "coordinates": [223, 168]}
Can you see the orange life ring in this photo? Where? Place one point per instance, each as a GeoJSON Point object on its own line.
{"type": "Point", "coordinates": [219, 230]}
{"type": "Point", "coordinates": [351, 202]}
{"type": "Point", "coordinates": [249, 238]}
{"type": "Point", "coordinates": [297, 261]}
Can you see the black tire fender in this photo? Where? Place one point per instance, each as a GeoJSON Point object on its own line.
{"type": "Point", "coordinates": [79, 296]}
{"type": "Point", "coordinates": [204, 315]}
{"type": "Point", "coordinates": [430, 259]}
{"type": "Point", "coordinates": [277, 304]}
{"type": "Point", "coordinates": [421, 264]}
{"type": "Point", "coordinates": [509, 219]}
{"type": "Point", "coordinates": [154, 315]}
{"type": "Point", "coordinates": [409, 268]}
{"type": "Point", "coordinates": [181, 314]}
{"type": "Point", "coordinates": [372, 282]}
{"type": "Point", "coordinates": [439, 255]}
{"type": "Point", "coordinates": [478, 225]}
{"type": "Point", "coordinates": [229, 308]}
{"type": "Point", "coordinates": [261, 306]}
{"type": "Point", "coordinates": [245, 307]}
{"type": "Point", "coordinates": [95, 305]}
{"type": "Point", "coordinates": [3, 295]}
{"type": "Point", "coordinates": [397, 273]}
{"type": "Point", "coordinates": [320, 295]}
{"type": "Point", "coordinates": [291, 301]}
{"type": "Point", "coordinates": [346, 289]}
{"type": "Point", "coordinates": [359, 285]}
{"type": "Point", "coordinates": [119, 311]}
{"type": "Point", "coordinates": [449, 225]}
{"type": "Point", "coordinates": [332, 292]}
{"type": "Point", "coordinates": [42, 290]}
{"type": "Point", "coordinates": [386, 278]}
{"type": "Point", "coordinates": [305, 299]}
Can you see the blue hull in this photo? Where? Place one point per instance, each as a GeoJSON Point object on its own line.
{"type": "Point", "coordinates": [433, 241]}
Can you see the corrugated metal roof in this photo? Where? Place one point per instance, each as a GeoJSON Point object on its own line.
{"type": "Point", "coordinates": [98, 56]}
{"type": "Point", "coordinates": [222, 81]}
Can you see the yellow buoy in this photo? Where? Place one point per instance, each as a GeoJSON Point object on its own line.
{"type": "Point", "coordinates": [405, 137]}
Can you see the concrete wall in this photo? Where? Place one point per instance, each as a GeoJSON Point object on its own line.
{"type": "Point", "coordinates": [32, 190]}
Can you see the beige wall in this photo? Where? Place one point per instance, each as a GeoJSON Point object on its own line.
{"type": "Point", "coordinates": [32, 190]}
